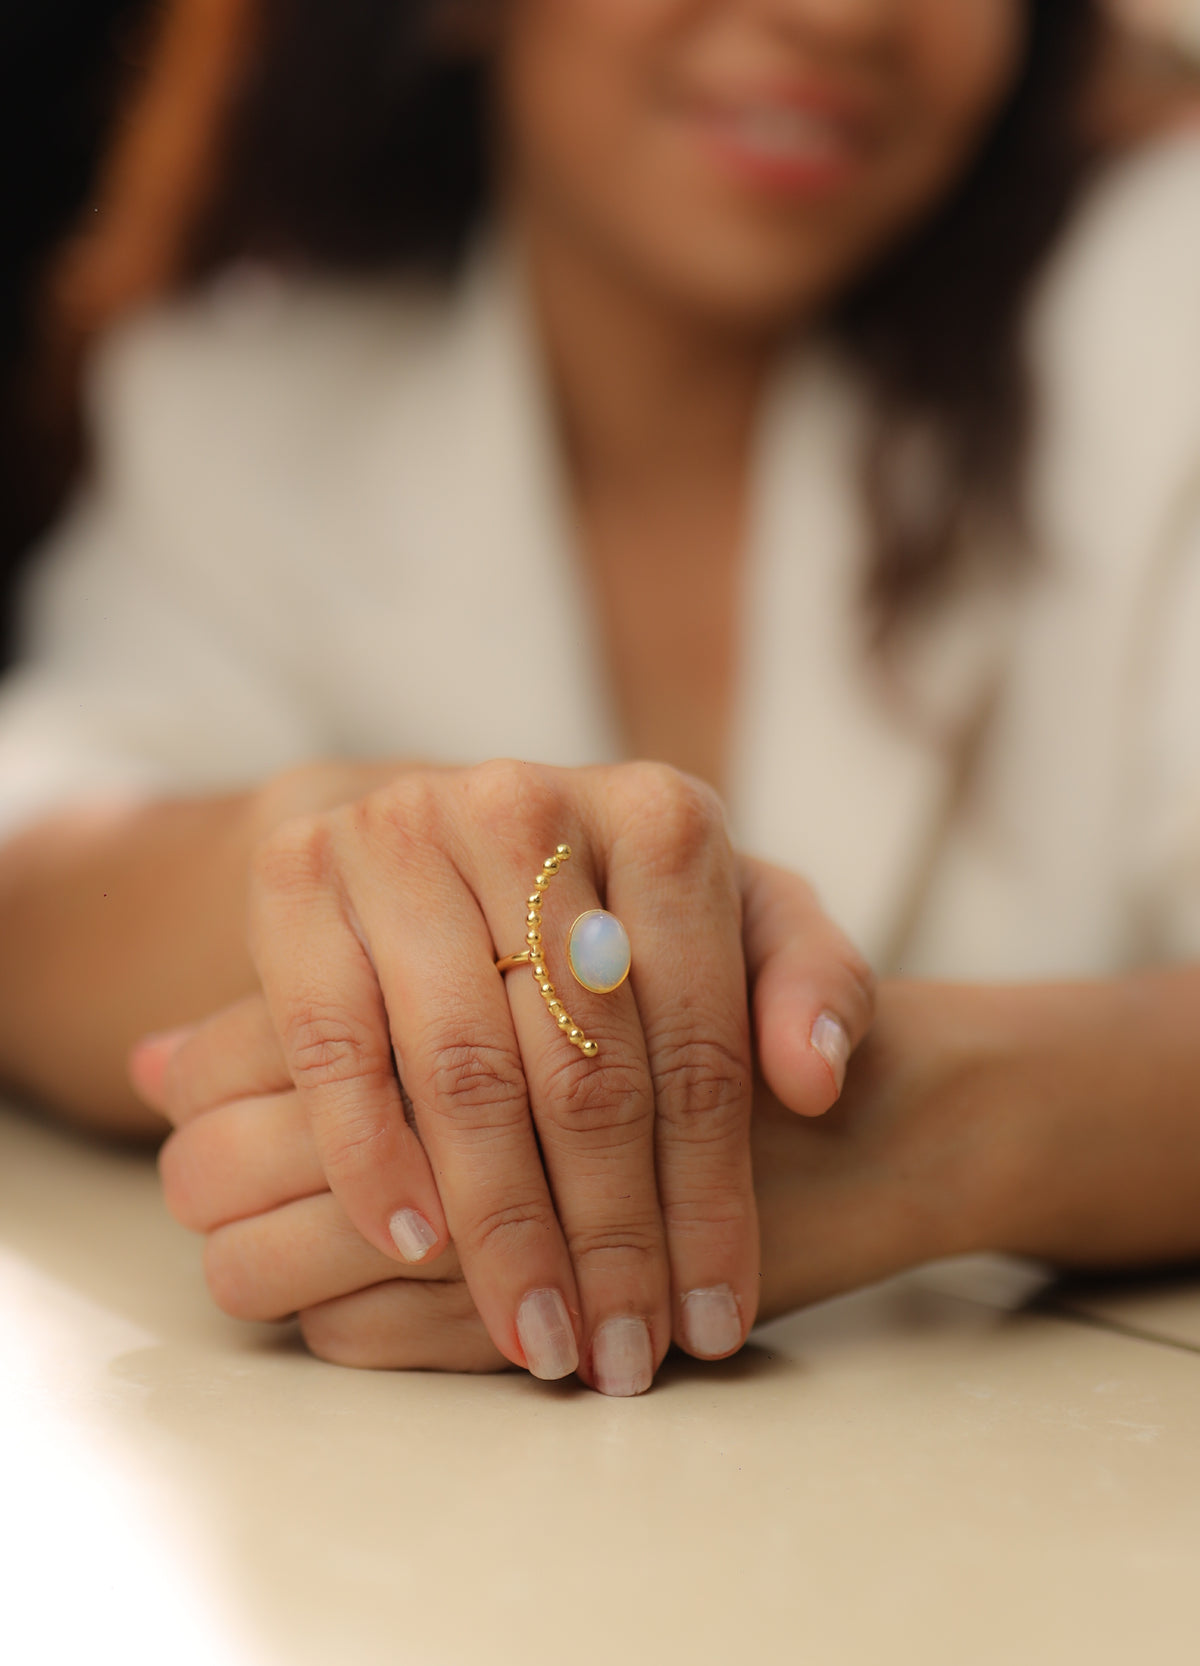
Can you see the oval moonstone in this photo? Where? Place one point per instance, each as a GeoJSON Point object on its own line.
{"type": "Point", "coordinates": [598, 951]}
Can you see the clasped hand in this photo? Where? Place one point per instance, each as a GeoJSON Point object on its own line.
{"type": "Point", "coordinates": [393, 1134]}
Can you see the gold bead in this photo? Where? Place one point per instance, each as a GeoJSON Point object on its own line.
{"type": "Point", "coordinates": [551, 864]}
{"type": "Point", "coordinates": [534, 899]}
{"type": "Point", "coordinates": [534, 938]}
{"type": "Point", "coordinates": [542, 880]}
{"type": "Point", "coordinates": [548, 990]}
{"type": "Point", "coordinates": [588, 1049]}
{"type": "Point", "coordinates": [576, 1035]}
{"type": "Point", "coordinates": [534, 917]}
{"type": "Point", "coordinates": [563, 852]}
{"type": "Point", "coordinates": [565, 1021]}
{"type": "Point", "coordinates": [540, 971]}
{"type": "Point", "coordinates": [555, 1007]}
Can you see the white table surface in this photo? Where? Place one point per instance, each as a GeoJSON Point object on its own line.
{"type": "Point", "coordinates": [959, 1466]}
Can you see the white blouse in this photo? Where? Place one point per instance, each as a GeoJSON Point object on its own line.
{"type": "Point", "coordinates": [332, 521]}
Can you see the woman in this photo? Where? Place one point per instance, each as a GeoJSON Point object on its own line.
{"type": "Point", "coordinates": [706, 451]}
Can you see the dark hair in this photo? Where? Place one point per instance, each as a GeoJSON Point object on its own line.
{"type": "Point", "coordinates": [358, 142]}
{"type": "Point", "coordinates": [63, 67]}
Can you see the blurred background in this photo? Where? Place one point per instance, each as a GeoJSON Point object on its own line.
{"type": "Point", "coordinates": [110, 137]}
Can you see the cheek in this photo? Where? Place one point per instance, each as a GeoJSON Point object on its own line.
{"type": "Point", "coordinates": [963, 59]}
{"type": "Point", "coordinates": [956, 64]}
{"type": "Point", "coordinates": [573, 78]}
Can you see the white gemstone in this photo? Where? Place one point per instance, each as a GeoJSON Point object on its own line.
{"type": "Point", "coordinates": [598, 951]}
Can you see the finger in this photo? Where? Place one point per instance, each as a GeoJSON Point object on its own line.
{"type": "Point", "coordinates": [672, 876]}
{"type": "Point", "coordinates": [234, 1054]}
{"type": "Point", "coordinates": [272, 1265]}
{"type": "Point", "coordinates": [328, 1011]}
{"type": "Point", "coordinates": [146, 1065]}
{"type": "Point", "coordinates": [813, 993]}
{"type": "Point", "coordinates": [244, 1158]}
{"type": "Point", "coordinates": [402, 1325]}
{"type": "Point", "coordinates": [459, 1058]}
{"type": "Point", "coordinates": [594, 1115]}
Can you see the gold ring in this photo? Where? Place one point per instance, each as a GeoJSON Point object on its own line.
{"type": "Point", "coordinates": [597, 952]}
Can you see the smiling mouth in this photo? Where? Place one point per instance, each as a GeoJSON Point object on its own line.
{"type": "Point", "coordinates": [784, 145]}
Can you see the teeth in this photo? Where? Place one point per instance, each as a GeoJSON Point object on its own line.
{"type": "Point", "coordinates": [774, 130]}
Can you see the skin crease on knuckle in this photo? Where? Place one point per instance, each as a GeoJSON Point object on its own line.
{"type": "Point", "coordinates": [626, 1247]}
{"type": "Point", "coordinates": [330, 1044]}
{"type": "Point", "coordinates": [476, 1086]}
{"type": "Point", "coordinates": [704, 1090]}
{"type": "Point", "coordinates": [503, 1235]}
{"type": "Point", "coordinates": [585, 1101]}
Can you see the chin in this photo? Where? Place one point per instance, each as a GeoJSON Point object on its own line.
{"type": "Point", "coordinates": [742, 288]}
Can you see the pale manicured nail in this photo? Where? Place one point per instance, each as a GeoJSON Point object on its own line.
{"type": "Point", "coordinates": [622, 1356]}
{"type": "Point", "coordinates": [712, 1324]}
{"type": "Point", "coordinates": [412, 1234]}
{"type": "Point", "coordinates": [544, 1327]}
{"type": "Point", "coordinates": [829, 1038]}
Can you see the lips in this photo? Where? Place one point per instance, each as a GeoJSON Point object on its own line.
{"type": "Point", "coordinates": [799, 145]}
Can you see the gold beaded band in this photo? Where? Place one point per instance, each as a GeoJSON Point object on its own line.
{"type": "Point", "coordinates": [535, 957]}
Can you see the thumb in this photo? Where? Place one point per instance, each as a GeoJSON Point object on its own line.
{"type": "Point", "coordinates": [812, 993]}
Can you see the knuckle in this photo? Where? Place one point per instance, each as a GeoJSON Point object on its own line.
{"type": "Point", "coordinates": [409, 811]}
{"type": "Point", "coordinates": [612, 1099]}
{"type": "Point", "coordinates": [475, 1081]}
{"type": "Point", "coordinates": [708, 1214]}
{"type": "Point", "coordinates": [176, 1173]}
{"type": "Point", "coordinates": [292, 858]}
{"type": "Point", "coordinates": [230, 1276]}
{"type": "Point", "coordinates": [328, 1336]}
{"type": "Point", "coordinates": [704, 1085]}
{"type": "Point", "coordinates": [510, 1230]}
{"type": "Point", "coordinates": [327, 1044]}
{"type": "Point", "coordinates": [678, 818]}
{"type": "Point", "coordinates": [352, 1146]}
{"type": "Point", "coordinates": [527, 798]}
{"type": "Point", "coordinates": [629, 1246]}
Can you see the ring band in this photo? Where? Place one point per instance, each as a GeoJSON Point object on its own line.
{"type": "Point", "coordinates": [597, 953]}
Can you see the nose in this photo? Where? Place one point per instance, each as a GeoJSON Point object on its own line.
{"type": "Point", "coordinates": [846, 25]}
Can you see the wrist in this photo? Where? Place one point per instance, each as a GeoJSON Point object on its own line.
{"type": "Point", "coordinates": [1099, 1121]}
{"type": "Point", "coordinates": [902, 1170]}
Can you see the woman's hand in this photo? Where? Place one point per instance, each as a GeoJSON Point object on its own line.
{"type": "Point", "coordinates": [1012, 1118]}
{"type": "Point", "coordinates": [245, 1172]}
{"type": "Point", "coordinates": [904, 1169]}
{"type": "Point", "coordinates": [598, 1206]}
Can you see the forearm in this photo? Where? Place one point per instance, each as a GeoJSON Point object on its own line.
{"type": "Point", "coordinates": [115, 924]}
{"type": "Point", "coordinates": [1055, 1120]}
{"type": "Point", "coordinates": [1096, 1113]}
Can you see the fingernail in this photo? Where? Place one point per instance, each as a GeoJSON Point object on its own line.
{"type": "Point", "coordinates": [712, 1324]}
{"type": "Point", "coordinates": [412, 1234]}
{"type": "Point", "coordinates": [829, 1038]}
{"type": "Point", "coordinates": [622, 1356]}
{"type": "Point", "coordinates": [544, 1327]}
